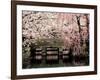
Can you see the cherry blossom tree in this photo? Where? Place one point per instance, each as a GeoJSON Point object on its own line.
{"type": "Point", "coordinates": [56, 29]}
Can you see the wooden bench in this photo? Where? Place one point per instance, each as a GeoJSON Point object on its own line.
{"type": "Point", "coordinates": [52, 55]}
{"type": "Point", "coordinates": [36, 55]}
{"type": "Point", "coordinates": [67, 55]}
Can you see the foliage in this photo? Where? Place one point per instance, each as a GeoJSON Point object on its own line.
{"type": "Point", "coordinates": [63, 30]}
